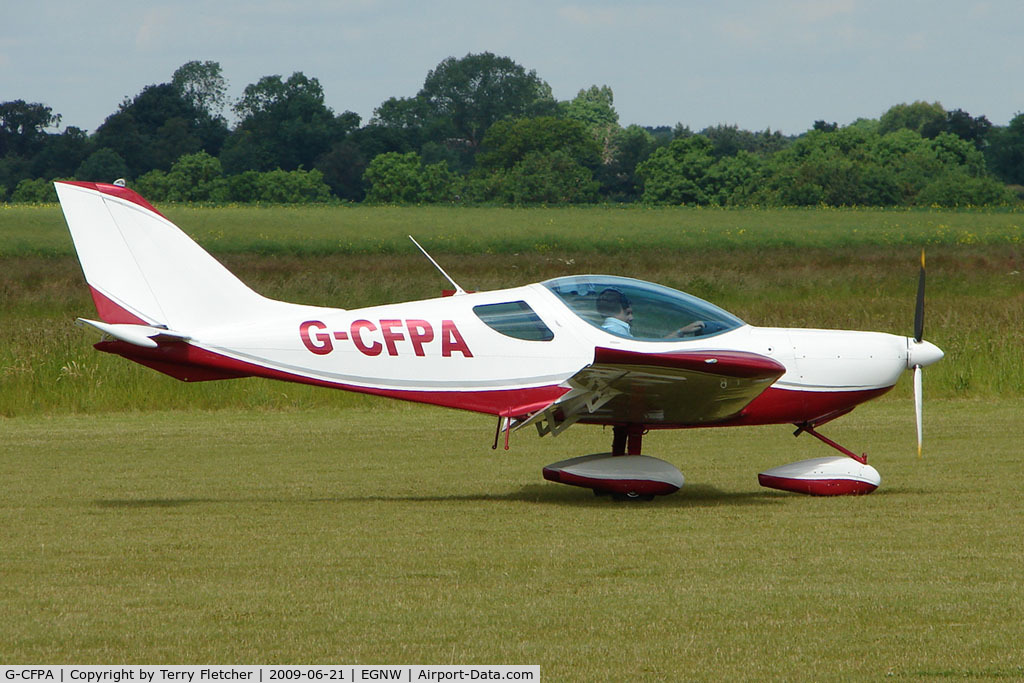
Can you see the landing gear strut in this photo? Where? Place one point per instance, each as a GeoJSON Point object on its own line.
{"type": "Point", "coordinates": [809, 427]}
{"type": "Point", "coordinates": [829, 476]}
{"type": "Point", "coordinates": [627, 439]}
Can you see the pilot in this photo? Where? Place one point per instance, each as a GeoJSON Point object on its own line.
{"type": "Point", "coordinates": [617, 312]}
{"type": "Point", "coordinates": [618, 315]}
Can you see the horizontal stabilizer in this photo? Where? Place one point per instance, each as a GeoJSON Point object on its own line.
{"type": "Point", "coordinates": [145, 336]}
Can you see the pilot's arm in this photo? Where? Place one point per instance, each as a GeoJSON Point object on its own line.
{"type": "Point", "coordinates": [693, 329]}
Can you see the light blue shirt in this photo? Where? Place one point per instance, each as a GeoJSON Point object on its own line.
{"type": "Point", "coordinates": [616, 327]}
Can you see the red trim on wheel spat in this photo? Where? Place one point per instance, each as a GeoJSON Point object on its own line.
{"type": "Point", "coordinates": [641, 487]}
{"type": "Point", "coordinates": [817, 487]}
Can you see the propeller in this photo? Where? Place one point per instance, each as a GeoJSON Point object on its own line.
{"type": "Point", "coordinates": [920, 353]}
{"type": "Point", "coordinates": [919, 308]}
{"type": "Point", "coordinates": [918, 338]}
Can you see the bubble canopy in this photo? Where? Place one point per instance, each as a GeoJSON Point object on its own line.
{"type": "Point", "coordinates": [640, 310]}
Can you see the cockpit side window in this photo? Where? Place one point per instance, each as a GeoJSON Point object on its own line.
{"type": "Point", "coordinates": [514, 319]}
{"type": "Point", "coordinates": [640, 310]}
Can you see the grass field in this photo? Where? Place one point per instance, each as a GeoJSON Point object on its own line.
{"type": "Point", "coordinates": [975, 306]}
{"type": "Point", "coordinates": [312, 230]}
{"type": "Point", "coordinates": [372, 535]}
{"type": "Point", "coordinates": [146, 520]}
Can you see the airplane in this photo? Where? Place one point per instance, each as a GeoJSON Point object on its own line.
{"type": "Point", "coordinates": [583, 349]}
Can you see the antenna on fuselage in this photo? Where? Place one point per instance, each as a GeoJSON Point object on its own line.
{"type": "Point", "coordinates": [458, 290]}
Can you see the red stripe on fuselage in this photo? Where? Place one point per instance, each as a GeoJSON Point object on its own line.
{"type": "Point", "coordinates": [192, 363]}
{"type": "Point", "coordinates": [781, 406]}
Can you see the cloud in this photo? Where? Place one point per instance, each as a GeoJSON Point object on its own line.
{"type": "Point", "coordinates": [154, 28]}
{"type": "Point", "coordinates": [591, 16]}
{"type": "Point", "coordinates": [821, 10]}
{"type": "Point", "coordinates": [645, 16]}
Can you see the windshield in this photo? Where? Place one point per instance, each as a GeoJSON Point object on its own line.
{"type": "Point", "coordinates": [640, 310]}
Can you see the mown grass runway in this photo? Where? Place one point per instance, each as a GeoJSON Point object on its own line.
{"type": "Point", "coordinates": [393, 533]}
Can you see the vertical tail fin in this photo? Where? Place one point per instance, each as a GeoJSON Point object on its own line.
{"type": "Point", "coordinates": [142, 269]}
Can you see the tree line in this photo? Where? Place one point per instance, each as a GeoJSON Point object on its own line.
{"type": "Point", "coordinates": [484, 130]}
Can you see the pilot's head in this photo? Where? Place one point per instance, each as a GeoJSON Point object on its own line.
{"type": "Point", "coordinates": [612, 303]}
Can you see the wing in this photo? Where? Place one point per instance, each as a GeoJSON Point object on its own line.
{"type": "Point", "coordinates": [683, 389]}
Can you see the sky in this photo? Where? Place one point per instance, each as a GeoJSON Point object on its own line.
{"type": "Point", "coordinates": [779, 65]}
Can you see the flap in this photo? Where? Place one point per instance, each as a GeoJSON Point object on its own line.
{"type": "Point", "coordinates": [679, 389]}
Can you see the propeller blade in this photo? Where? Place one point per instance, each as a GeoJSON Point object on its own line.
{"type": "Point", "coordinates": [917, 405]}
{"type": "Point", "coordinates": [919, 309]}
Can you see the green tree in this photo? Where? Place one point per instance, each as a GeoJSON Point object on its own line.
{"type": "Point", "coordinates": [293, 187]}
{"type": "Point", "coordinates": [62, 154]}
{"type": "Point", "coordinates": [402, 124]}
{"type": "Point", "coordinates": [630, 146]}
{"type": "Point", "coordinates": [677, 174]}
{"type": "Point", "coordinates": [37, 191]}
{"type": "Point", "coordinates": [953, 151]}
{"type": "Point", "coordinates": [154, 185]}
{"type": "Point", "coordinates": [441, 184]}
{"type": "Point", "coordinates": [202, 85]}
{"type": "Point", "coordinates": [395, 178]}
{"type": "Point", "coordinates": [462, 98]}
{"type": "Point", "coordinates": [158, 126]}
{"type": "Point", "coordinates": [734, 180]}
{"type": "Point", "coordinates": [552, 177]}
{"type": "Point", "coordinates": [1006, 151]}
{"type": "Point", "coordinates": [858, 165]}
{"type": "Point", "coordinates": [244, 187]}
{"type": "Point", "coordinates": [969, 128]}
{"type": "Point", "coordinates": [284, 124]}
{"type": "Point", "coordinates": [921, 117]}
{"type": "Point", "coordinates": [103, 165]}
{"type": "Point", "coordinates": [23, 127]}
{"type": "Point", "coordinates": [727, 141]}
{"type": "Point", "coordinates": [343, 168]}
{"type": "Point", "coordinates": [594, 107]}
{"type": "Point", "coordinates": [244, 151]}
{"type": "Point", "coordinates": [508, 142]}
{"type": "Point", "coordinates": [958, 189]}
{"type": "Point", "coordinates": [834, 168]}
{"type": "Point", "coordinates": [196, 178]}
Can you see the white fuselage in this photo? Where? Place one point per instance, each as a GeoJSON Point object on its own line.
{"type": "Point", "coordinates": [439, 346]}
